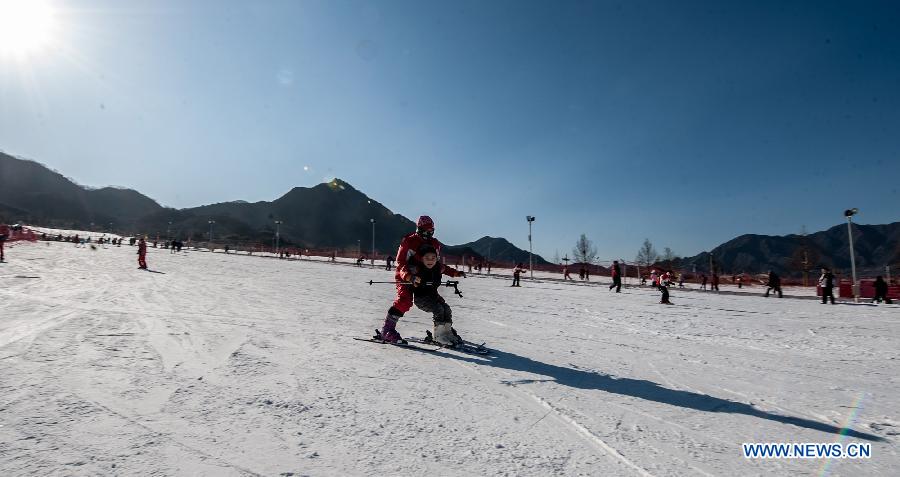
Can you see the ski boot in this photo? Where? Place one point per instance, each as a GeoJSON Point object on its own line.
{"type": "Point", "coordinates": [388, 330]}
{"type": "Point", "coordinates": [445, 335]}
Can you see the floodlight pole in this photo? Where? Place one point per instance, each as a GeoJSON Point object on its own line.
{"type": "Point", "coordinates": [373, 241]}
{"type": "Point", "coordinates": [278, 235]}
{"type": "Point", "coordinates": [849, 213]}
{"type": "Point", "coordinates": [211, 222]}
{"type": "Point", "coordinates": [530, 219]}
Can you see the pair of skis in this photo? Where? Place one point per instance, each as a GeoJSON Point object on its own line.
{"type": "Point", "coordinates": [429, 344]}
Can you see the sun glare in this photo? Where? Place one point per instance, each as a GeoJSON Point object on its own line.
{"type": "Point", "coordinates": [25, 26]}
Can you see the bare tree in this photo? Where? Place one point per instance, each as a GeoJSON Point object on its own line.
{"type": "Point", "coordinates": [584, 251]}
{"type": "Point", "coordinates": [668, 255]}
{"type": "Point", "coordinates": [647, 255]}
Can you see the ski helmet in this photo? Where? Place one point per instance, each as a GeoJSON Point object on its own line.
{"type": "Point", "coordinates": [425, 223]}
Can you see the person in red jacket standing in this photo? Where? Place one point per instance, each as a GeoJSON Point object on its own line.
{"type": "Point", "coordinates": [142, 254]}
{"type": "Point", "coordinates": [424, 235]}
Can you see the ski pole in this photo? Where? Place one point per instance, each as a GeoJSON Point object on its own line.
{"type": "Point", "coordinates": [449, 283]}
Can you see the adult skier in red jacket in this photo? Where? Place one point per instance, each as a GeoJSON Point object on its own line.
{"type": "Point", "coordinates": [424, 235]}
{"type": "Point", "coordinates": [142, 254]}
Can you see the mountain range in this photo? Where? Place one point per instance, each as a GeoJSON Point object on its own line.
{"type": "Point", "coordinates": [875, 246]}
{"type": "Point", "coordinates": [331, 215]}
{"type": "Point", "coordinates": [335, 215]}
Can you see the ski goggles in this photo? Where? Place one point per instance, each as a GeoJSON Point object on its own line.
{"type": "Point", "coordinates": [427, 233]}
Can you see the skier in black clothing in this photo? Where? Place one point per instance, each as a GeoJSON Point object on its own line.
{"type": "Point", "coordinates": [826, 281]}
{"type": "Point", "coordinates": [881, 290]}
{"type": "Point", "coordinates": [616, 277]}
{"type": "Point", "coordinates": [387, 262]}
{"type": "Point", "coordinates": [774, 284]}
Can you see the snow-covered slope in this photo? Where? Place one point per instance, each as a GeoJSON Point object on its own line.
{"type": "Point", "coordinates": [243, 365]}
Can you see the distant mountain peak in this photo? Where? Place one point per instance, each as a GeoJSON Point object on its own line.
{"type": "Point", "coordinates": [338, 184]}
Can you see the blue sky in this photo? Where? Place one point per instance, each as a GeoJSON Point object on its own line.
{"type": "Point", "coordinates": [687, 123]}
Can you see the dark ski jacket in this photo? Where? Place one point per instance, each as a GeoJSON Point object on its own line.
{"type": "Point", "coordinates": [430, 277]}
{"type": "Point", "coordinates": [881, 287]}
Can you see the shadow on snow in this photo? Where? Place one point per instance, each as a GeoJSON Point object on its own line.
{"type": "Point", "coordinates": [643, 389]}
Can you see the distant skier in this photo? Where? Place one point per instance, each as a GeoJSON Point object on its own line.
{"type": "Point", "coordinates": [715, 282]}
{"type": "Point", "coordinates": [774, 284]}
{"type": "Point", "coordinates": [142, 254]}
{"type": "Point", "coordinates": [680, 280]}
{"type": "Point", "coordinates": [517, 272]}
{"type": "Point", "coordinates": [4, 236]}
{"type": "Point", "coordinates": [740, 281]}
{"type": "Point", "coordinates": [616, 277]}
{"type": "Point", "coordinates": [587, 273]}
{"type": "Point", "coordinates": [703, 281]}
{"type": "Point", "coordinates": [826, 281]}
{"type": "Point", "coordinates": [387, 262]}
{"type": "Point", "coordinates": [663, 285]}
{"type": "Point", "coordinates": [409, 245]}
{"type": "Point", "coordinates": [424, 271]}
{"type": "Point", "coordinates": [881, 291]}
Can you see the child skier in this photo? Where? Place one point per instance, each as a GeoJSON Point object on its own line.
{"type": "Point", "coordinates": [409, 245]}
{"type": "Point", "coordinates": [425, 271]}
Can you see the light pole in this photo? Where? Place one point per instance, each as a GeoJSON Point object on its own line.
{"type": "Point", "coordinates": [849, 213]}
{"type": "Point", "coordinates": [168, 232]}
{"type": "Point", "coordinates": [530, 219]}
{"type": "Point", "coordinates": [278, 235]}
{"type": "Point", "coordinates": [373, 241]}
{"type": "Point", "coordinates": [358, 248]}
{"type": "Point", "coordinates": [211, 222]}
